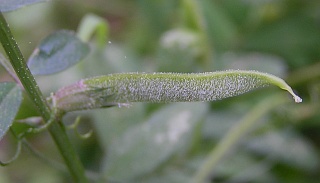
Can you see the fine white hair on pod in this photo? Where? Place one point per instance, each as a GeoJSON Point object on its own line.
{"type": "Point", "coordinates": [119, 89]}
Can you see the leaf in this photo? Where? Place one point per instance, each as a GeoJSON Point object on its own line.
{"type": "Point", "coordinates": [215, 131]}
{"type": "Point", "coordinates": [91, 24]}
{"type": "Point", "coordinates": [296, 46]}
{"type": "Point", "coordinates": [170, 174]}
{"type": "Point", "coordinates": [57, 52]}
{"type": "Point", "coordinates": [10, 100]}
{"type": "Point", "coordinates": [243, 167]}
{"type": "Point", "coordinates": [286, 146]}
{"type": "Point", "coordinates": [180, 50]}
{"type": "Point", "coordinates": [6, 64]}
{"type": "Point", "coordinates": [221, 30]}
{"type": "Point", "coordinates": [128, 117]}
{"type": "Point", "coordinates": [117, 89]}
{"type": "Point", "coordinates": [143, 148]}
{"type": "Point", "coordinates": [254, 61]}
{"type": "Point", "coordinates": [9, 5]}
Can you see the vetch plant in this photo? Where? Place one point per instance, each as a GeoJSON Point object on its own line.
{"type": "Point", "coordinates": [63, 49]}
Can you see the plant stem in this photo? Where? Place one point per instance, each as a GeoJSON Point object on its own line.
{"type": "Point", "coordinates": [235, 134]}
{"type": "Point", "coordinates": [56, 129]}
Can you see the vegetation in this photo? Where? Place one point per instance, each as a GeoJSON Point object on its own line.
{"type": "Point", "coordinates": [260, 136]}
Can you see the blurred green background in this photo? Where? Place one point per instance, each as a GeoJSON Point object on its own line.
{"type": "Point", "coordinates": [155, 143]}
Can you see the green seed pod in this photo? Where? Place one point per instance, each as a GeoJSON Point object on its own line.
{"type": "Point", "coordinates": [120, 89]}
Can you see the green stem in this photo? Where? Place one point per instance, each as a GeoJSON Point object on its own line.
{"type": "Point", "coordinates": [56, 129]}
{"type": "Point", "coordinates": [234, 134]}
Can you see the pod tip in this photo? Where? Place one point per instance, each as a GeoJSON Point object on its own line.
{"type": "Point", "coordinates": [297, 99]}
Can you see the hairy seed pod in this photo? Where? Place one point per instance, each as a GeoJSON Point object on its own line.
{"type": "Point", "coordinates": [119, 89]}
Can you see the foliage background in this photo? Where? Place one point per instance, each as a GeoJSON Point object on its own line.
{"type": "Point", "coordinates": [277, 36]}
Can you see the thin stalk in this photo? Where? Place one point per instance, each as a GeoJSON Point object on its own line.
{"type": "Point", "coordinates": [234, 134]}
{"type": "Point", "coordinates": [56, 129]}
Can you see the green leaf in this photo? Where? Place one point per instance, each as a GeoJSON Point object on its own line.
{"type": "Point", "coordinates": [119, 89]}
{"type": "Point", "coordinates": [298, 46]}
{"type": "Point", "coordinates": [9, 5]}
{"type": "Point", "coordinates": [221, 30]}
{"type": "Point", "coordinates": [172, 174]}
{"type": "Point", "coordinates": [286, 146]}
{"type": "Point", "coordinates": [143, 148]}
{"type": "Point", "coordinates": [57, 52]}
{"type": "Point", "coordinates": [91, 24]}
{"type": "Point", "coordinates": [10, 100]}
{"type": "Point", "coordinates": [6, 64]}
{"type": "Point", "coordinates": [191, 15]}
{"type": "Point", "coordinates": [110, 129]}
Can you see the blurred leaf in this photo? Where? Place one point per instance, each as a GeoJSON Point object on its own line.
{"type": "Point", "coordinates": [243, 167]}
{"type": "Point", "coordinates": [232, 137]}
{"type": "Point", "coordinates": [10, 99]}
{"type": "Point", "coordinates": [154, 18]}
{"type": "Point", "coordinates": [9, 5]}
{"type": "Point", "coordinates": [7, 65]}
{"type": "Point", "coordinates": [254, 61]}
{"type": "Point", "coordinates": [218, 122]}
{"type": "Point", "coordinates": [113, 122]}
{"type": "Point", "coordinates": [176, 60]}
{"type": "Point", "coordinates": [191, 15]}
{"type": "Point", "coordinates": [220, 29]}
{"type": "Point", "coordinates": [157, 14]}
{"type": "Point", "coordinates": [179, 50]}
{"type": "Point", "coordinates": [143, 148]}
{"type": "Point", "coordinates": [286, 146]}
{"type": "Point", "coordinates": [4, 176]}
{"type": "Point", "coordinates": [294, 38]}
{"type": "Point", "coordinates": [181, 39]}
{"type": "Point", "coordinates": [238, 11]}
{"type": "Point", "coordinates": [57, 52]}
{"type": "Point", "coordinates": [91, 24]}
{"type": "Point", "coordinates": [169, 174]}
{"type": "Point", "coordinates": [114, 58]}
